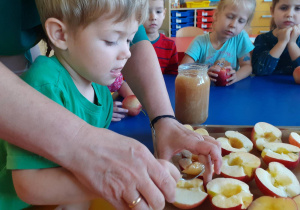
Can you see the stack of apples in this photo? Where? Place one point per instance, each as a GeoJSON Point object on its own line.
{"type": "Point", "coordinates": [235, 142]}
{"type": "Point", "coordinates": [263, 133]}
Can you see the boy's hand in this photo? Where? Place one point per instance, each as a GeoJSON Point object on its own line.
{"type": "Point", "coordinates": [118, 112]}
{"type": "Point", "coordinates": [211, 72]}
{"type": "Point", "coordinates": [233, 78]}
{"type": "Point", "coordinates": [295, 33]}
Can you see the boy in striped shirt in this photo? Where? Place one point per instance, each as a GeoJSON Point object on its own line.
{"type": "Point", "coordinates": [165, 48]}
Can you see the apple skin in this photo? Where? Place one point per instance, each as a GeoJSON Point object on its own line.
{"type": "Point", "coordinates": [288, 164]}
{"type": "Point", "coordinates": [297, 200]}
{"type": "Point", "coordinates": [264, 189]}
{"type": "Point", "coordinates": [132, 104]}
{"type": "Point", "coordinates": [296, 75]}
{"type": "Point", "coordinates": [268, 202]}
{"type": "Point", "coordinates": [222, 77]}
{"type": "Point", "coordinates": [294, 139]}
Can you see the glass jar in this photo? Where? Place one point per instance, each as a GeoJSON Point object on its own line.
{"type": "Point", "coordinates": [192, 87]}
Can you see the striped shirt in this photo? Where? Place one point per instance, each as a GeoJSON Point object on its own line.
{"type": "Point", "coordinates": [167, 54]}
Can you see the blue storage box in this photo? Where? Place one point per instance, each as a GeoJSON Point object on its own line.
{"type": "Point", "coordinates": [178, 25]}
{"type": "Point", "coordinates": [182, 20]}
{"type": "Point", "coordinates": [182, 13]}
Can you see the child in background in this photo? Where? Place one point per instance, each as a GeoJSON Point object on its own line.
{"type": "Point", "coordinates": [165, 48]}
{"type": "Point", "coordinates": [277, 52]}
{"type": "Point", "coordinates": [228, 45]}
{"type": "Point", "coordinates": [123, 89]}
{"type": "Point", "coordinates": [91, 46]}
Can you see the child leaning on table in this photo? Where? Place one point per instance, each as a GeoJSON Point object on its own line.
{"type": "Point", "coordinates": [123, 89]}
{"type": "Point", "coordinates": [277, 51]}
{"type": "Point", "coordinates": [228, 45]}
{"type": "Point", "coordinates": [91, 46]}
{"type": "Point", "coordinates": [165, 48]}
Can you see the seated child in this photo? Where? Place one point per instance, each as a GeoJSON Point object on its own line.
{"type": "Point", "coordinates": [123, 89]}
{"type": "Point", "coordinates": [277, 52]}
{"type": "Point", "coordinates": [165, 48]}
{"type": "Point", "coordinates": [91, 46]}
{"type": "Point", "coordinates": [228, 45]}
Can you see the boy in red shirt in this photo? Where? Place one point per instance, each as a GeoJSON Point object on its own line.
{"type": "Point", "coordinates": [165, 48]}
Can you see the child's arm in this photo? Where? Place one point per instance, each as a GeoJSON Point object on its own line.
{"type": "Point", "coordinates": [265, 59]}
{"type": "Point", "coordinates": [50, 186]}
{"type": "Point", "coordinates": [125, 90]}
{"type": "Point", "coordinates": [244, 71]}
{"type": "Point", "coordinates": [187, 59]}
{"type": "Point", "coordinates": [293, 48]}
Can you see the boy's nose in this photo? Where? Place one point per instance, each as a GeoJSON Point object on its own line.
{"type": "Point", "coordinates": [125, 54]}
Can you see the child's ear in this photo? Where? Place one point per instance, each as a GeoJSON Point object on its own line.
{"type": "Point", "coordinates": [165, 10]}
{"type": "Point", "coordinates": [56, 31]}
{"type": "Point", "coordinates": [271, 11]}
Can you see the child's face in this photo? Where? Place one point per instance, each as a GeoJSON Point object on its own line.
{"type": "Point", "coordinates": [156, 16]}
{"type": "Point", "coordinates": [231, 21]}
{"type": "Point", "coordinates": [98, 52]}
{"type": "Point", "coordinates": [286, 13]}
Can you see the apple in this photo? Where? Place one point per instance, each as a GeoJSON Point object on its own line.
{"type": "Point", "coordinates": [188, 127]}
{"type": "Point", "coordinates": [296, 75]}
{"type": "Point", "coordinates": [277, 181]}
{"type": "Point", "coordinates": [286, 154]}
{"type": "Point", "coordinates": [297, 200]}
{"type": "Point", "coordinates": [264, 132]}
{"type": "Point", "coordinates": [294, 139]}
{"type": "Point", "coordinates": [240, 165]}
{"type": "Point", "coordinates": [272, 203]}
{"type": "Point", "coordinates": [189, 194]}
{"type": "Point", "coordinates": [227, 193]}
{"type": "Point", "coordinates": [132, 104]}
{"type": "Point", "coordinates": [223, 75]}
{"type": "Point", "coordinates": [202, 131]}
{"type": "Point", "coordinates": [235, 142]}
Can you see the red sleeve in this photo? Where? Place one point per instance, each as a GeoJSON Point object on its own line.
{"type": "Point", "coordinates": [173, 63]}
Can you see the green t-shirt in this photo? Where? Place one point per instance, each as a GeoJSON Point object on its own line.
{"type": "Point", "coordinates": [49, 77]}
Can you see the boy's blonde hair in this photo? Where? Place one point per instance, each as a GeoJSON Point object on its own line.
{"type": "Point", "coordinates": [82, 12]}
{"type": "Point", "coordinates": [249, 4]}
{"type": "Point", "coordinates": [273, 25]}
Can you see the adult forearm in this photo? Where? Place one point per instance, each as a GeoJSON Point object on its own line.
{"type": "Point", "coordinates": [34, 122]}
{"type": "Point", "coordinates": [143, 74]}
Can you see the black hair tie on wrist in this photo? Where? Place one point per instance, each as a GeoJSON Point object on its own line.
{"type": "Point", "coordinates": [160, 117]}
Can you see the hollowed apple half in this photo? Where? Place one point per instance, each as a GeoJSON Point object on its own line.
{"type": "Point", "coordinates": [273, 203]}
{"type": "Point", "coordinates": [235, 142]}
{"type": "Point", "coordinates": [277, 181]}
{"type": "Point", "coordinates": [294, 139]}
{"type": "Point", "coordinates": [286, 154]}
{"type": "Point", "coordinates": [189, 194]}
{"type": "Point", "coordinates": [240, 165]}
{"type": "Point", "coordinates": [227, 193]}
{"type": "Point", "coordinates": [263, 133]}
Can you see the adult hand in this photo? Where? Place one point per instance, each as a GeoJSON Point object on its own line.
{"type": "Point", "coordinates": [120, 169]}
{"type": "Point", "coordinates": [233, 78]}
{"type": "Point", "coordinates": [118, 112]}
{"type": "Point", "coordinates": [211, 72]}
{"type": "Point", "coordinates": [172, 137]}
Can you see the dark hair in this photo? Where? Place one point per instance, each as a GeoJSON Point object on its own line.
{"type": "Point", "coordinates": [272, 24]}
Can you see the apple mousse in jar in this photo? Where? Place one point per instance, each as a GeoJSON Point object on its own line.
{"type": "Point", "coordinates": [192, 87]}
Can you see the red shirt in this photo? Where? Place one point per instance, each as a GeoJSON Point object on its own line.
{"type": "Point", "coordinates": [167, 54]}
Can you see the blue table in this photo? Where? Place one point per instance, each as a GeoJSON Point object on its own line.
{"type": "Point", "coordinates": [272, 99]}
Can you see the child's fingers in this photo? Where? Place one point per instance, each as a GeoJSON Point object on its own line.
{"type": "Point", "coordinates": [117, 103]}
{"type": "Point", "coordinates": [119, 110]}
